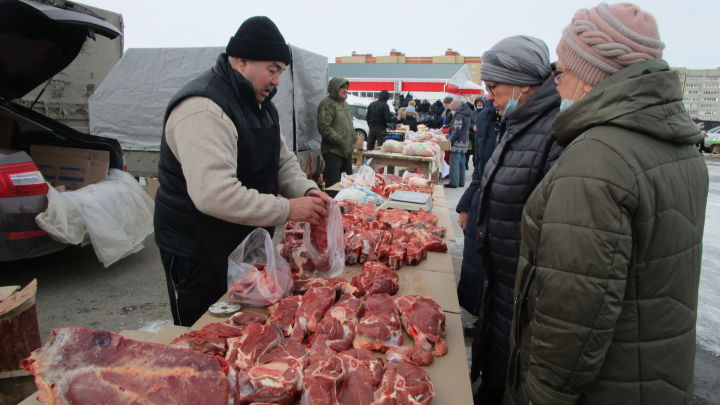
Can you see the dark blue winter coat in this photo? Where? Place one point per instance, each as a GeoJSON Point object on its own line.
{"type": "Point", "coordinates": [488, 123]}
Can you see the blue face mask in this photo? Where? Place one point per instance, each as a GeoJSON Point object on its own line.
{"type": "Point", "coordinates": [511, 105]}
{"type": "Point", "coordinates": [566, 103]}
{"type": "Point", "coordinates": [410, 109]}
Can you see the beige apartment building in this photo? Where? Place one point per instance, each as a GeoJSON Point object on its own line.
{"type": "Point", "coordinates": [701, 92]}
{"type": "Point", "coordinates": [450, 56]}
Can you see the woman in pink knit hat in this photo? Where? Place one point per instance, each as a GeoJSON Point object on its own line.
{"type": "Point", "coordinates": [607, 283]}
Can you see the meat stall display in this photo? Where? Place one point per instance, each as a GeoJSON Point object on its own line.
{"type": "Point", "coordinates": [316, 346]}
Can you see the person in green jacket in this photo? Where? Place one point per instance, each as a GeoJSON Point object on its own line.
{"type": "Point", "coordinates": [335, 124]}
{"type": "Point", "coordinates": [607, 284]}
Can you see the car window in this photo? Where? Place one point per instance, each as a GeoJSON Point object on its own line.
{"type": "Point", "coordinates": [359, 111]}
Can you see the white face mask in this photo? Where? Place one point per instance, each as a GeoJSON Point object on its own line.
{"type": "Point", "coordinates": [566, 103]}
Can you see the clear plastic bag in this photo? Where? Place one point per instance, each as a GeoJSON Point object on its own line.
{"type": "Point", "coordinates": [257, 274]}
{"type": "Point", "coordinates": [360, 194]}
{"type": "Point", "coordinates": [419, 149]}
{"type": "Point", "coordinates": [364, 177]}
{"type": "Point", "coordinates": [415, 179]}
{"type": "Point", "coordinates": [392, 146]}
{"type": "Point", "coordinates": [324, 243]}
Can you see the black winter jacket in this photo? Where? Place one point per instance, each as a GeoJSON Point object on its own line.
{"type": "Point", "coordinates": [378, 113]}
{"type": "Point", "coordinates": [525, 152]}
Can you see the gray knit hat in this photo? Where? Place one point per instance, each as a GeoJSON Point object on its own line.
{"type": "Point", "coordinates": [521, 60]}
{"type": "Point", "coordinates": [605, 39]}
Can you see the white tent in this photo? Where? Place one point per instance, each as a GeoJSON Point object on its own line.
{"type": "Point", "coordinates": [130, 103]}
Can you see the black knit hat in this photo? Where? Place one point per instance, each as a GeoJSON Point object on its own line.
{"type": "Point", "coordinates": [258, 38]}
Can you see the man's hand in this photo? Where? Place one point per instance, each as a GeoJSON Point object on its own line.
{"type": "Point", "coordinates": [462, 219]}
{"type": "Point", "coordinates": [313, 192]}
{"type": "Point", "coordinates": [307, 209]}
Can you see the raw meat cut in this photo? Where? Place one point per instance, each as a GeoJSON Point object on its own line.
{"type": "Point", "coordinates": [376, 277]}
{"type": "Point", "coordinates": [277, 376]}
{"type": "Point", "coordinates": [380, 327]}
{"type": "Point", "coordinates": [341, 286]}
{"type": "Point", "coordinates": [323, 374]}
{"type": "Point", "coordinates": [424, 321]}
{"type": "Point", "coordinates": [424, 217]}
{"type": "Point", "coordinates": [256, 340]}
{"type": "Point", "coordinates": [394, 216]}
{"type": "Point", "coordinates": [338, 325]}
{"type": "Point", "coordinates": [295, 253]}
{"type": "Point", "coordinates": [429, 242]}
{"type": "Point", "coordinates": [404, 383]}
{"type": "Point", "coordinates": [315, 303]}
{"type": "Point", "coordinates": [88, 367]}
{"type": "Point", "coordinates": [284, 313]}
{"type": "Point", "coordinates": [259, 287]}
{"type": "Point", "coordinates": [210, 339]}
{"type": "Point", "coordinates": [364, 374]}
{"type": "Point", "coordinates": [245, 318]}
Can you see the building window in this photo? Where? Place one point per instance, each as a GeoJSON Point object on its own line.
{"type": "Point", "coordinates": [712, 85]}
{"type": "Point", "coordinates": [707, 106]}
{"type": "Point", "coordinates": [710, 99]}
{"type": "Point", "coordinates": [713, 78]}
{"type": "Point", "coordinates": [693, 91]}
{"type": "Point", "coordinates": [711, 92]}
{"type": "Point", "coordinates": [695, 77]}
{"type": "Point", "coordinates": [707, 112]}
{"type": "Point", "coordinates": [694, 85]}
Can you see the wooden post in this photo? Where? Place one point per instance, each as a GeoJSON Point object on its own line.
{"type": "Point", "coordinates": [19, 336]}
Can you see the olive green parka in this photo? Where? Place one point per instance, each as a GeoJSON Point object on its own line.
{"type": "Point", "coordinates": [335, 123]}
{"type": "Point", "coordinates": [607, 286]}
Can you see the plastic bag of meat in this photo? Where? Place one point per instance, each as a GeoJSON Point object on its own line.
{"type": "Point", "coordinates": [392, 146]}
{"type": "Point", "coordinates": [257, 274]}
{"type": "Point", "coordinates": [415, 179]}
{"type": "Point", "coordinates": [324, 243]}
{"type": "Point", "coordinates": [359, 194]}
{"type": "Point", "coordinates": [419, 149]}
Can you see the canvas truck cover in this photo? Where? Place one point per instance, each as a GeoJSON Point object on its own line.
{"type": "Point", "coordinates": [130, 103]}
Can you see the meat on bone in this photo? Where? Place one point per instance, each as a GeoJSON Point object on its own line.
{"type": "Point", "coordinates": [364, 374]}
{"type": "Point", "coordinates": [338, 325]}
{"type": "Point", "coordinates": [404, 382]}
{"type": "Point", "coordinates": [87, 367]}
{"type": "Point", "coordinates": [376, 277]}
{"type": "Point", "coordinates": [277, 375]}
{"type": "Point", "coordinates": [380, 327]}
{"type": "Point", "coordinates": [323, 373]}
{"type": "Point", "coordinates": [315, 303]}
{"type": "Point", "coordinates": [256, 340]}
{"type": "Point", "coordinates": [283, 312]}
{"type": "Point", "coordinates": [210, 339]}
{"type": "Point", "coordinates": [424, 321]}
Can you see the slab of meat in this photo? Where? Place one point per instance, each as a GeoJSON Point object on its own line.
{"type": "Point", "coordinates": [210, 339]}
{"type": "Point", "coordinates": [256, 340]}
{"type": "Point", "coordinates": [263, 287]}
{"type": "Point", "coordinates": [88, 367]}
{"type": "Point", "coordinates": [284, 313]}
{"type": "Point", "coordinates": [315, 303]}
{"type": "Point", "coordinates": [424, 217]}
{"type": "Point", "coordinates": [323, 373]}
{"type": "Point", "coordinates": [376, 277]}
{"type": "Point", "coordinates": [338, 325]}
{"type": "Point", "coordinates": [404, 382]}
{"type": "Point", "coordinates": [364, 374]}
{"type": "Point", "coordinates": [245, 318]}
{"type": "Point", "coordinates": [429, 241]}
{"type": "Point", "coordinates": [277, 376]}
{"type": "Point", "coordinates": [415, 252]}
{"type": "Point", "coordinates": [380, 327]}
{"type": "Point", "coordinates": [367, 212]}
{"type": "Point", "coordinates": [297, 256]}
{"type": "Point", "coordinates": [394, 216]}
{"type": "Point", "coordinates": [341, 286]}
{"type": "Point", "coordinates": [347, 206]}
{"type": "Point", "coordinates": [424, 321]}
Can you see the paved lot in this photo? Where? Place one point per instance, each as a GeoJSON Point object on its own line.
{"type": "Point", "coordinates": [75, 290]}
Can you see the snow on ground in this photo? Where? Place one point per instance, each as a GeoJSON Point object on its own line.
{"type": "Point", "coordinates": [708, 323]}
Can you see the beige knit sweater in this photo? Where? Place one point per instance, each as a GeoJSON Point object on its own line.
{"type": "Point", "coordinates": [204, 140]}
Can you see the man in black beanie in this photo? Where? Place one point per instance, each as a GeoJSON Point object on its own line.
{"type": "Point", "coordinates": [378, 119]}
{"type": "Point", "coordinates": [224, 169]}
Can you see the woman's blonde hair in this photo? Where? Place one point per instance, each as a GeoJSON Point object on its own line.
{"type": "Point", "coordinates": [402, 113]}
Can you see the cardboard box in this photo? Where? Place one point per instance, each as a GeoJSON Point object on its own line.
{"type": "Point", "coordinates": [444, 145]}
{"type": "Point", "coordinates": [71, 167]}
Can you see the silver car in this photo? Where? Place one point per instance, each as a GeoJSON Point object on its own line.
{"type": "Point", "coordinates": [38, 39]}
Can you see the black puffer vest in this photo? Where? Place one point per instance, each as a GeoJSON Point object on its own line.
{"type": "Point", "coordinates": [180, 227]}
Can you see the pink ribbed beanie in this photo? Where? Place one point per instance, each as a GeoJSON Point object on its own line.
{"type": "Point", "coordinates": [605, 39]}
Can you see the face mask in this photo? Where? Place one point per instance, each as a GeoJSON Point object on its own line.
{"type": "Point", "coordinates": [411, 109]}
{"type": "Point", "coordinates": [512, 104]}
{"type": "Point", "coordinates": [566, 103]}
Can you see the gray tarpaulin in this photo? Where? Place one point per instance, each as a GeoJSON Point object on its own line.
{"type": "Point", "coordinates": [130, 103]}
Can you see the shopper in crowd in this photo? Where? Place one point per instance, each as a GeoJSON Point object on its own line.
{"type": "Point", "coordinates": [436, 109]}
{"type": "Point", "coordinates": [458, 137]}
{"type": "Point", "coordinates": [378, 119]}
{"type": "Point", "coordinates": [607, 285]}
{"type": "Point", "coordinates": [335, 124]}
{"type": "Point", "coordinates": [407, 118]}
{"type": "Point", "coordinates": [516, 72]}
{"type": "Point", "coordinates": [486, 123]}
{"type": "Point", "coordinates": [224, 169]}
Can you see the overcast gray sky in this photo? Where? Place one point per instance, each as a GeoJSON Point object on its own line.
{"type": "Point", "coordinates": [689, 28]}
